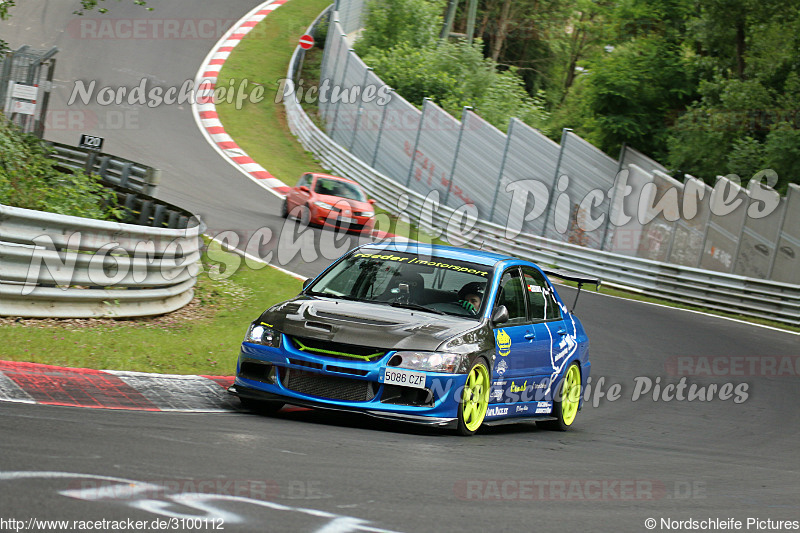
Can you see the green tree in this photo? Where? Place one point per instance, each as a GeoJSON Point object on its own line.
{"type": "Point", "coordinates": [631, 92]}
{"type": "Point", "coordinates": [453, 74]}
{"type": "Point", "coordinates": [633, 78]}
{"type": "Point", "coordinates": [390, 22]}
{"type": "Point", "coordinates": [745, 118]}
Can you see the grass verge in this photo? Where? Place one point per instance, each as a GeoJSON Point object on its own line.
{"type": "Point", "coordinates": [201, 338]}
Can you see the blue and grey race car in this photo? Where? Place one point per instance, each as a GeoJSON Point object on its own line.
{"type": "Point", "coordinates": [429, 334]}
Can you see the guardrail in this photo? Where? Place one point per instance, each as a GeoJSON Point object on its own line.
{"type": "Point", "coordinates": [133, 183]}
{"type": "Point", "coordinates": [116, 170]}
{"type": "Point", "coordinates": [71, 267]}
{"type": "Point", "coordinates": [713, 290]}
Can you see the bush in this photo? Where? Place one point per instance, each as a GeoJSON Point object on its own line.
{"type": "Point", "coordinates": [30, 179]}
{"type": "Point", "coordinates": [455, 75]}
{"type": "Point", "coordinates": [401, 43]}
{"type": "Point", "coordinates": [391, 22]}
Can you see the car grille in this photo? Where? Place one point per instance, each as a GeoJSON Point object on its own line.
{"type": "Point", "coordinates": [336, 350]}
{"type": "Point", "coordinates": [324, 386]}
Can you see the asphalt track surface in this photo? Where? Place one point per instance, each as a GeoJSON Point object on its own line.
{"type": "Point", "coordinates": [623, 462]}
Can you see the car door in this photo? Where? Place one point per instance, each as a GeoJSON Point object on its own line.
{"type": "Point", "coordinates": [297, 197]}
{"type": "Point", "coordinates": [516, 343]}
{"type": "Point", "coordinates": [548, 327]}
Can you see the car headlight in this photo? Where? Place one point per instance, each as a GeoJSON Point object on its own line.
{"type": "Point", "coordinates": [367, 213]}
{"type": "Point", "coordinates": [264, 334]}
{"type": "Point", "coordinates": [452, 363]}
{"type": "Point", "coordinates": [323, 205]}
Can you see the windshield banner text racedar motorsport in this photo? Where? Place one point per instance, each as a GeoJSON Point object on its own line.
{"type": "Point", "coordinates": [436, 263]}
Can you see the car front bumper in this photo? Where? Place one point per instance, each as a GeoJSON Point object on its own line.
{"type": "Point", "coordinates": [255, 394]}
{"type": "Point", "coordinates": [304, 379]}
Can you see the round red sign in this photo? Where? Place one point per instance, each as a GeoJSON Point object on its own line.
{"type": "Point", "coordinates": [306, 42]}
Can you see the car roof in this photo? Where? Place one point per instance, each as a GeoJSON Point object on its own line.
{"type": "Point", "coordinates": [340, 178]}
{"type": "Point", "coordinates": [480, 257]}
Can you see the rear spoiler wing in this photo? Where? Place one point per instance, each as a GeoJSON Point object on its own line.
{"type": "Point", "coordinates": [577, 278]}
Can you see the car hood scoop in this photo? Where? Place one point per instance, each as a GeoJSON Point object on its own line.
{"type": "Point", "coordinates": [364, 324]}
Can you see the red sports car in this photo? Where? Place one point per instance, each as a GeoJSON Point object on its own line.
{"type": "Point", "coordinates": [332, 201]}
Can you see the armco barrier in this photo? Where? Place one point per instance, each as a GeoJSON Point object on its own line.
{"type": "Point", "coordinates": [133, 183]}
{"type": "Point", "coordinates": [128, 174]}
{"type": "Point", "coordinates": [712, 290]}
{"type": "Point", "coordinates": [71, 267]}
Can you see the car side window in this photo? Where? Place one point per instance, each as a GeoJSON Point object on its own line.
{"type": "Point", "coordinates": [512, 296]}
{"type": "Point", "coordinates": [305, 179]}
{"type": "Point", "coordinates": [541, 303]}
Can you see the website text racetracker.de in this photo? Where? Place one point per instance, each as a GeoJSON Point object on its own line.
{"type": "Point", "coordinates": [572, 489]}
{"type": "Point", "coordinates": [158, 524]}
{"type": "Point", "coordinates": [713, 366]}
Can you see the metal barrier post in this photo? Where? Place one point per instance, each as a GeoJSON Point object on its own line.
{"type": "Point", "coordinates": [380, 132]}
{"type": "Point", "coordinates": [780, 233]}
{"type": "Point", "coordinates": [464, 115]}
{"type": "Point", "coordinates": [344, 73]}
{"type": "Point", "coordinates": [613, 196]}
{"type": "Point", "coordinates": [360, 110]}
{"type": "Point", "coordinates": [502, 167]}
{"type": "Point", "coordinates": [332, 77]}
{"type": "Point", "coordinates": [416, 142]}
{"type": "Point", "coordinates": [555, 179]}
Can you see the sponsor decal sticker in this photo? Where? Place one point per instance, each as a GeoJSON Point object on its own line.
{"type": "Point", "coordinates": [518, 388]}
{"type": "Point", "coordinates": [497, 390]}
{"type": "Point", "coordinates": [501, 367]}
{"type": "Point", "coordinates": [503, 343]}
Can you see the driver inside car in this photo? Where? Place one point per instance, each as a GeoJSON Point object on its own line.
{"type": "Point", "coordinates": [470, 296]}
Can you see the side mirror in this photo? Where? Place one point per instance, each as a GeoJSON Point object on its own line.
{"type": "Point", "coordinates": [372, 201]}
{"type": "Point", "coordinates": [303, 188]}
{"type": "Point", "coordinates": [500, 314]}
{"type": "Point", "coordinates": [307, 282]}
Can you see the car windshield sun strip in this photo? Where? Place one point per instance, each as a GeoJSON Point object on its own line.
{"type": "Point", "coordinates": [304, 348]}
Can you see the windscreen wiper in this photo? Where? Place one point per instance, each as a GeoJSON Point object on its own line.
{"type": "Point", "coordinates": [417, 307]}
{"type": "Point", "coordinates": [335, 296]}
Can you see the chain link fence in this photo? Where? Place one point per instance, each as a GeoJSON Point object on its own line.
{"type": "Point", "coordinates": [26, 79]}
{"type": "Point", "coordinates": [570, 192]}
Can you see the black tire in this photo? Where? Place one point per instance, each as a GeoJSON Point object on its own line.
{"type": "Point", "coordinates": [284, 209]}
{"type": "Point", "coordinates": [261, 407]}
{"type": "Point", "coordinates": [565, 409]}
{"type": "Point", "coordinates": [305, 215]}
{"type": "Point", "coordinates": [475, 398]}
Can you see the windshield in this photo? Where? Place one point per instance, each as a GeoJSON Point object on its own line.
{"type": "Point", "coordinates": [435, 284]}
{"type": "Point", "coordinates": [339, 188]}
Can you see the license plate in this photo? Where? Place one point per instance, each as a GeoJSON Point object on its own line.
{"type": "Point", "coordinates": [405, 378]}
{"type": "Point", "coordinates": [348, 220]}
